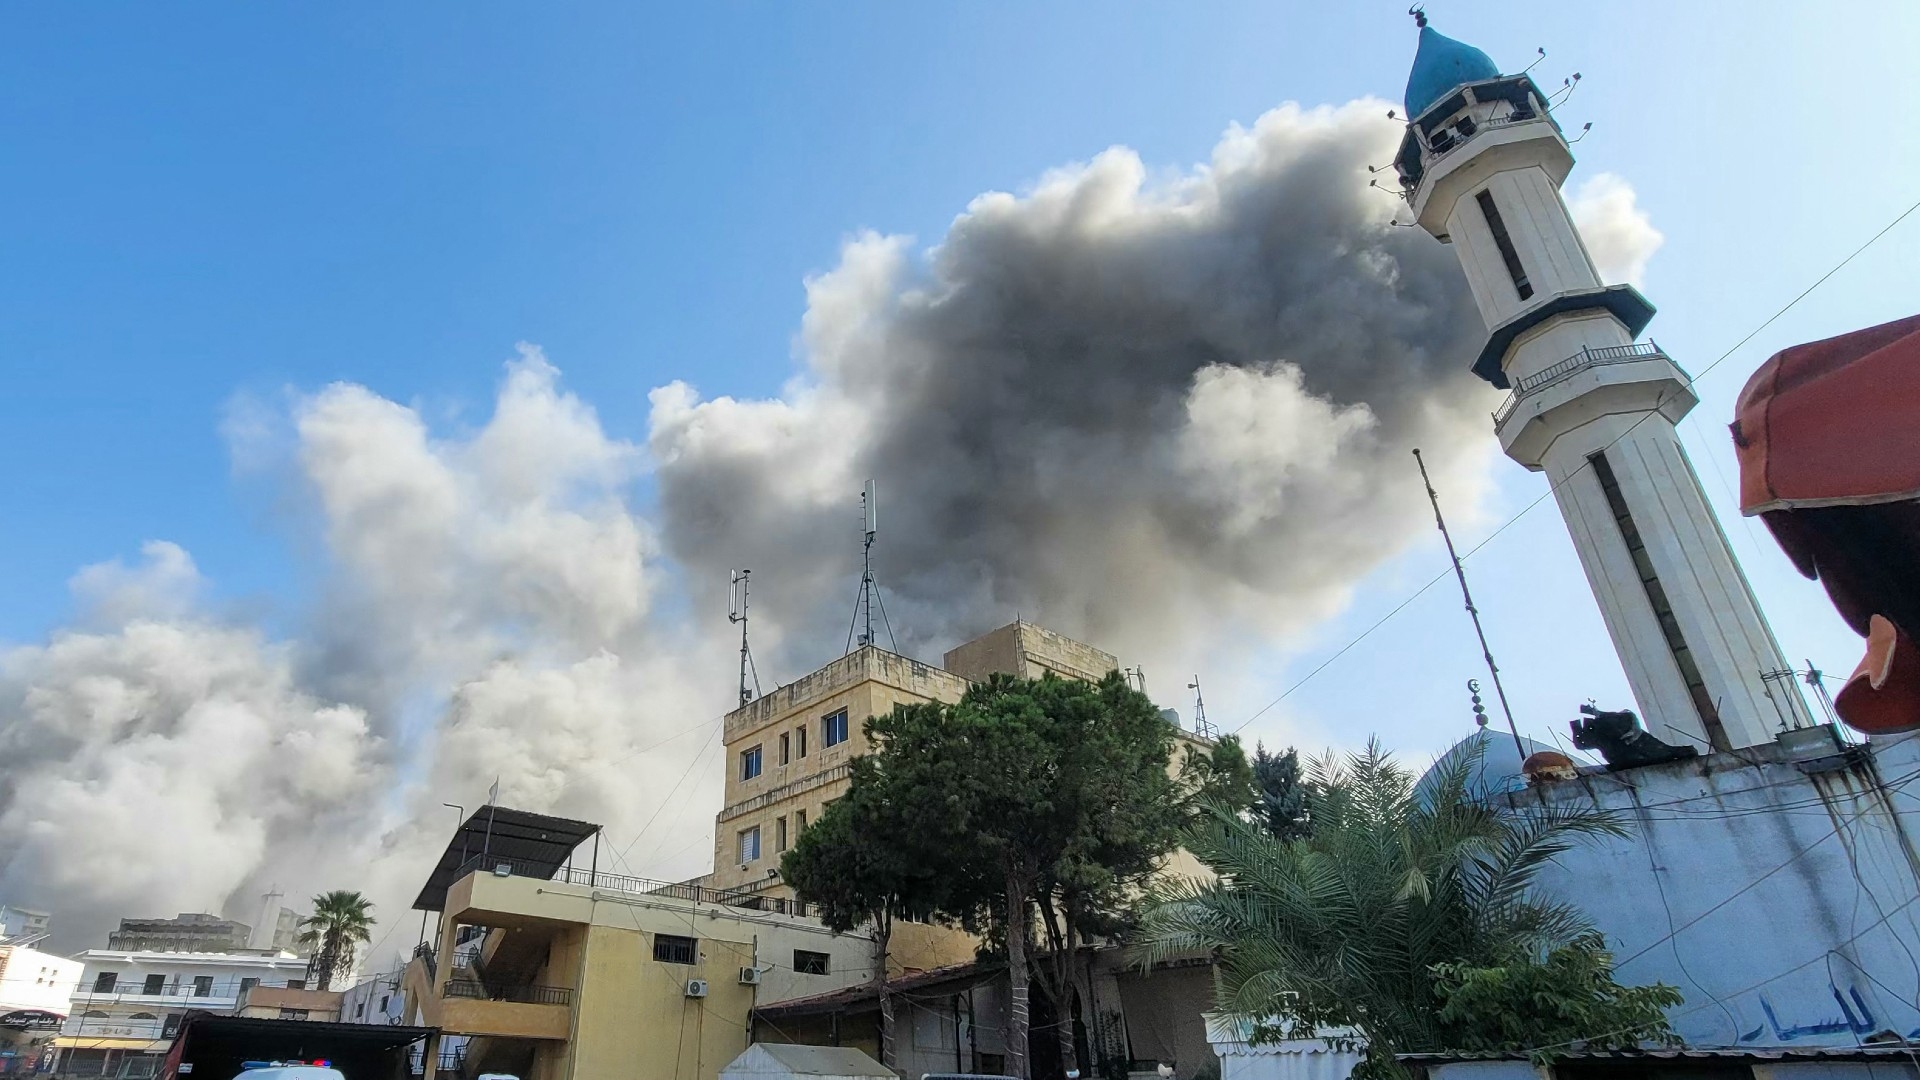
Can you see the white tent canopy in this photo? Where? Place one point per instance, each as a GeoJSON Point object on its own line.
{"type": "Point", "coordinates": [787, 1061]}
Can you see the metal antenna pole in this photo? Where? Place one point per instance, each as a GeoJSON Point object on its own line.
{"type": "Point", "coordinates": [1460, 572]}
{"type": "Point", "coordinates": [863, 603]}
{"type": "Point", "coordinates": [739, 615]}
{"type": "Point", "coordinates": [1201, 725]}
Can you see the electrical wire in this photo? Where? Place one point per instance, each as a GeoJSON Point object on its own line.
{"type": "Point", "coordinates": [698, 757]}
{"type": "Point", "coordinates": [1771, 319]}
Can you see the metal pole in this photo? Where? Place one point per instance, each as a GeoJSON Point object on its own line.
{"type": "Point", "coordinates": [593, 870]}
{"type": "Point", "coordinates": [1460, 572]}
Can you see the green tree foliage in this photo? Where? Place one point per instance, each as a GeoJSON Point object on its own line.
{"type": "Point", "coordinates": [1040, 803]}
{"type": "Point", "coordinates": [865, 861]}
{"type": "Point", "coordinates": [1280, 794]}
{"type": "Point", "coordinates": [340, 921]}
{"type": "Point", "coordinates": [1570, 997]}
{"type": "Point", "coordinates": [1219, 776]}
{"type": "Point", "coordinates": [1395, 900]}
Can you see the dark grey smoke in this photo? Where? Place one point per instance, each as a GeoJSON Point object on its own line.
{"type": "Point", "coordinates": [1149, 412]}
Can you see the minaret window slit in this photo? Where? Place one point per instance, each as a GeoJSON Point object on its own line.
{"type": "Point", "coordinates": [1505, 243]}
{"type": "Point", "coordinates": [1657, 597]}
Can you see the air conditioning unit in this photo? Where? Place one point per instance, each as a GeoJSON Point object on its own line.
{"type": "Point", "coordinates": [749, 976]}
{"type": "Point", "coordinates": [697, 988]}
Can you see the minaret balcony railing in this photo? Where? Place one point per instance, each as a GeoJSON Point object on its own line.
{"type": "Point", "coordinates": [1573, 365]}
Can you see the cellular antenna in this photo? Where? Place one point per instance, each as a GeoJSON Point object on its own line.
{"type": "Point", "coordinates": [1460, 572]}
{"type": "Point", "coordinates": [1202, 726]}
{"type": "Point", "coordinates": [869, 597]}
{"type": "Point", "coordinates": [737, 613]}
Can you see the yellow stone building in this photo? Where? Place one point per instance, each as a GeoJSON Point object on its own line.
{"type": "Point", "coordinates": [545, 966]}
{"type": "Point", "coordinates": [788, 751]}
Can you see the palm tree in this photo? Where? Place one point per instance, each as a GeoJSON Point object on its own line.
{"type": "Point", "coordinates": [340, 921]}
{"type": "Point", "coordinates": [1343, 929]}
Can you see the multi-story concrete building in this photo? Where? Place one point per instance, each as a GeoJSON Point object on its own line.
{"type": "Point", "coordinates": [129, 1003]}
{"type": "Point", "coordinates": [788, 752]}
{"type": "Point", "coordinates": [552, 970]}
{"type": "Point", "coordinates": [186, 932]}
{"type": "Point", "coordinates": [35, 991]}
{"type": "Point", "coordinates": [22, 924]}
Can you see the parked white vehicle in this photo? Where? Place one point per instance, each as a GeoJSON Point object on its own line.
{"type": "Point", "coordinates": [291, 1072]}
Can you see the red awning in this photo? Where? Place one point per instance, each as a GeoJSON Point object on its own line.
{"type": "Point", "coordinates": [1833, 423]}
{"type": "Point", "coordinates": [1828, 436]}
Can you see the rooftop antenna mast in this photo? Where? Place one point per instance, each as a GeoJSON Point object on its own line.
{"type": "Point", "coordinates": [737, 613]}
{"type": "Point", "coordinates": [869, 596]}
{"type": "Point", "coordinates": [1202, 726]}
{"type": "Point", "coordinates": [1460, 572]}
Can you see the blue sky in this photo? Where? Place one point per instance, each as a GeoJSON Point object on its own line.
{"type": "Point", "coordinates": [238, 199]}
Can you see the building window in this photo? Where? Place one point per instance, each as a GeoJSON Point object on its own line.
{"type": "Point", "coordinates": [1505, 243]}
{"type": "Point", "coordinates": [171, 1026]}
{"type": "Point", "coordinates": [203, 986]}
{"type": "Point", "coordinates": [799, 742]}
{"type": "Point", "coordinates": [669, 949]}
{"type": "Point", "coordinates": [833, 729]}
{"type": "Point", "coordinates": [104, 982]}
{"type": "Point", "coordinates": [749, 844]}
{"type": "Point", "coordinates": [154, 984]}
{"type": "Point", "coordinates": [780, 833]}
{"type": "Point", "coordinates": [810, 963]}
{"type": "Point", "coordinates": [384, 998]}
{"type": "Point", "coordinates": [750, 763]}
{"type": "Point", "coordinates": [248, 984]}
{"type": "Point", "coordinates": [786, 748]}
{"type": "Point", "coordinates": [799, 822]}
{"type": "Point", "coordinates": [359, 1009]}
{"type": "Point", "coordinates": [296, 984]}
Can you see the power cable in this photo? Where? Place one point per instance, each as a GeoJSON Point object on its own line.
{"type": "Point", "coordinates": [1771, 319]}
{"type": "Point", "coordinates": [675, 790]}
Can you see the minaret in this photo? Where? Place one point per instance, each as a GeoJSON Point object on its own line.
{"type": "Point", "coordinates": [1481, 165]}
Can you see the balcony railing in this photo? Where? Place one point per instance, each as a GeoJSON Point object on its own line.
{"type": "Point", "coordinates": [1573, 365]}
{"type": "Point", "coordinates": [745, 897]}
{"type": "Point", "coordinates": [476, 990]}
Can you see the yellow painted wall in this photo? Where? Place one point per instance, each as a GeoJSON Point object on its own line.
{"type": "Point", "coordinates": [631, 1018]}
{"type": "Point", "coordinates": [925, 946]}
{"type": "Point", "coordinates": [867, 683]}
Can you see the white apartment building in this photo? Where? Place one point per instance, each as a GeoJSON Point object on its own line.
{"type": "Point", "coordinates": [35, 981]}
{"type": "Point", "coordinates": [128, 1005]}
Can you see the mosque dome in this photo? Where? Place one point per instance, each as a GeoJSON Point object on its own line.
{"type": "Point", "coordinates": [1500, 767]}
{"type": "Point", "coordinates": [1441, 65]}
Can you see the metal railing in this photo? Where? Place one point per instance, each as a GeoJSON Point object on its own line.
{"type": "Point", "coordinates": [424, 953]}
{"type": "Point", "coordinates": [1573, 365]}
{"type": "Point", "coordinates": [744, 897]}
{"type": "Point", "coordinates": [528, 994]}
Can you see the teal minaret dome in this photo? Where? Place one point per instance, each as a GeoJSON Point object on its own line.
{"type": "Point", "coordinates": [1440, 66]}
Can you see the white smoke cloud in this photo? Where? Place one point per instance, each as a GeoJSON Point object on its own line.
{"type": "Point", "coordinates": [153, 767]}
{"type": "Point", "coordinates": [1171, 417]}
{"type": "Point", "coordinates": [1618, 233]}
{"type": "Point", "coordinates": [484, 616]}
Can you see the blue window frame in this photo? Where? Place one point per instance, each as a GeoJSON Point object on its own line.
{"type": "Point", "coordinates": [750, 763]}
{"type": "Point", "coordinates": [833, 729]}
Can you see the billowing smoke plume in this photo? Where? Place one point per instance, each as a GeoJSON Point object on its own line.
{"type": "Point", "coordinates": [1619, 235]}
{"type": "Point", "coordinates": [484, 616]}
{"type": "Point", "coordinates": [1171, 416]}
{"type": "Point", "coordinates": [1157, 413]}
